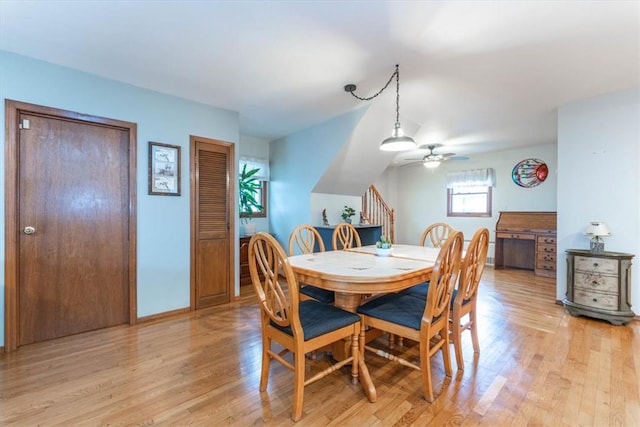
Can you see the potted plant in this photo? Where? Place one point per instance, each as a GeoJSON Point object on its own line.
{"type": "Point", "coordinates": [383, 246]}
{"type": "Point", "coordinates": [347, 213]}
{"type": "Point", "coordinates": [249, 187]}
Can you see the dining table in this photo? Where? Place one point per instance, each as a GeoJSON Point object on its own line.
{"type": "Point", "coordinates": [417, 252]}
{"type": "Point", "coordinates": [356, 273]}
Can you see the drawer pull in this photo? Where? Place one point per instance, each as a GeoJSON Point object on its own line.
{"type": "Point", "coordinates": [595, 264]}
{"type": "Point", "coordinates": [595, 283]}
{"type": "Point", "coordinates": [595, 299]}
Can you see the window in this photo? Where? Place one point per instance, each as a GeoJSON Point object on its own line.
{"type": "Point", "coordinates": [263, 177]}
{"type": "Point", "coordinates": [261, 198]}
{"type": "Point", "coordinates": [469, 193]}
{"type": "Point", "coordinates": [469, 201]}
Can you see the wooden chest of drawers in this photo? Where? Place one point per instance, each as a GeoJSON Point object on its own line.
{"type": "Point", "coordinates": [545, 255]}
{"type": "Point", "coordinates": [599, 285]}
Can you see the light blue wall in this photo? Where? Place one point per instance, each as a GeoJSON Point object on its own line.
{"type": "Point", "coordinates": [599, 178]}
{"type": "Point", "coordinates": [162, 222]}
{"type": "Point", "coordinates": [297, 163]}
{"type": "Point", "coordinates": [419, 194]}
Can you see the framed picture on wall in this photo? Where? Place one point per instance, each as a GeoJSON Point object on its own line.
{"type": "Point", "coordinates": [164, 169]}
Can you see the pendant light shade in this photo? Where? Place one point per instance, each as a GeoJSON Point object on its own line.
{"type": "Point", "coordinates": [398, 141]}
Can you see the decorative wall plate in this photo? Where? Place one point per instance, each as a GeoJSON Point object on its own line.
{"type": "Point", "coordinates": [530, 173]}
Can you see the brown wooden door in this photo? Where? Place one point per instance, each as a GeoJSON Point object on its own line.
{"type": "Point", "coordinates": [212, 213]}
{"type": "Point", "coordinates": [73, 191]}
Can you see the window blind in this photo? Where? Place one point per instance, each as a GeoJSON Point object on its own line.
{"type": "Point", "coordinates": [253, 163]}
{"type": "Point", "coordinates": [472, 178]}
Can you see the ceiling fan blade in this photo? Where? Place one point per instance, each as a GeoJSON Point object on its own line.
{"type": "Point", "coordinates": [458, 158]}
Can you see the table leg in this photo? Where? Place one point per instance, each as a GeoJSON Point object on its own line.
{"type": "Point", "coordinates": [341, 349]}
{"type": "Point", "coordinates": [346, 301]}
{"type": "Point", "coordinates": [350, 302]}
{"type": "Point", "coordinates": [365, 379]}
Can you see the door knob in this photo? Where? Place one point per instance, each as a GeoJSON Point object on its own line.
{"type": "Point", "coordinates": [29, 230]}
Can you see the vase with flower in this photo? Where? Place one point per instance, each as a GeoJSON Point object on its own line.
{"type": "Point", "coordinates": [384, 246]}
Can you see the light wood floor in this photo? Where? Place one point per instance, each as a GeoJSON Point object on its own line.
{"type": "Point", "coordinates": [538, 366]}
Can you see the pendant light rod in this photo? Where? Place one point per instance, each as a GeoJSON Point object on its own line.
{"type": "Point", "coordinates": [397, 73]}
{"type": "Point", "coordinates": [397, 141]}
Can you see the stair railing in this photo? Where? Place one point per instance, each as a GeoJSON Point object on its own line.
{"type": "Point", "coordinates": [376, 211]}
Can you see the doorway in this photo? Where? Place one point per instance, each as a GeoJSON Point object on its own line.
{"type": "Point", "coordinates": [212, 222]}
{"type": "Point", "coordinates": [70, 223]}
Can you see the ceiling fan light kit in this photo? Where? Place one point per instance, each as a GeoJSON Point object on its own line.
{"type": "Point", "coordinates": [431, 164]}
{"type": "Point", "coordinates": [398, 141]}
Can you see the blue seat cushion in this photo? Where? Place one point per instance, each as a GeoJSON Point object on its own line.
{"type": "Point", "coordinates": [319, 294]}
{"type": "Point", "coordinates": [402, 309]}
{"type": "Point", "coordinates": [420, 291]}
{"type": "Point", "coordinates": [318, 319]}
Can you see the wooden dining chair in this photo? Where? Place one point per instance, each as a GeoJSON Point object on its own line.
{"type": "Point", "coordinates": [345, 236]}
{"type": "Point", "coordinates": [303, 240]}
{"type": "Point", "coordinates": [425, 321]}
{"type": "Point", "coordinates": [464, 299]}
{"type": "Point", "coordinates": [298, 326]}
{"type": "Point", "coordinates": [435, 234]}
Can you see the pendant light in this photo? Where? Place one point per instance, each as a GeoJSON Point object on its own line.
{"type": "Point", "coordinates": [398, 141]}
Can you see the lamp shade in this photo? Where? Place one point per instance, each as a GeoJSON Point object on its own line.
{"type": "Point", "coordinates": [598, 228]}
{"type": "Point", "coordinates": [398, 141]}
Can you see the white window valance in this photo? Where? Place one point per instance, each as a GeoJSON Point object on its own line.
{"type": "Point", "coordinates": [472, 178]}
{"type": "Point", "coordinates": [253, 163]}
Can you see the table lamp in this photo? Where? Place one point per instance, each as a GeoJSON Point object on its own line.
{"type": "Point", "coordinates": [597, 229]}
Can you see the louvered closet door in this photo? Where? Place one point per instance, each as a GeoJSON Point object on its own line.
{"type": "Point", "coordinates": [212, 225]}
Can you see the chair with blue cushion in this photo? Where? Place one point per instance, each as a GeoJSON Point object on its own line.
{"type": "Point", "coordinates": [345, 236]}
{"type": "Point", "coordinates": [464, 301]}
{"type": "Point", "coordinates": [298, 326]}
{"type": "Point", "coordinates": [436, 234]}
{"type": "Point", "coordinates": [464, 297]}
{"type": "Point", "coordinates": [433, 236]}
{"type": "Point", "coordinates": [426, 320]}
{"type": "Point", "coordinates": [303, 240]}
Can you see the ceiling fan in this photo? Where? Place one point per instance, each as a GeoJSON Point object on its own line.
{"type": "Point", "coordinates": [433, 160]}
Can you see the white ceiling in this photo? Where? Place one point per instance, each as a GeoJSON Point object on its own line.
{"type": "Point", "coordinates": [475, 76]}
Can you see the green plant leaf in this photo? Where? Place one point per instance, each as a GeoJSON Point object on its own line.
{"type": "Point", "coordinates": [248, 188]}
